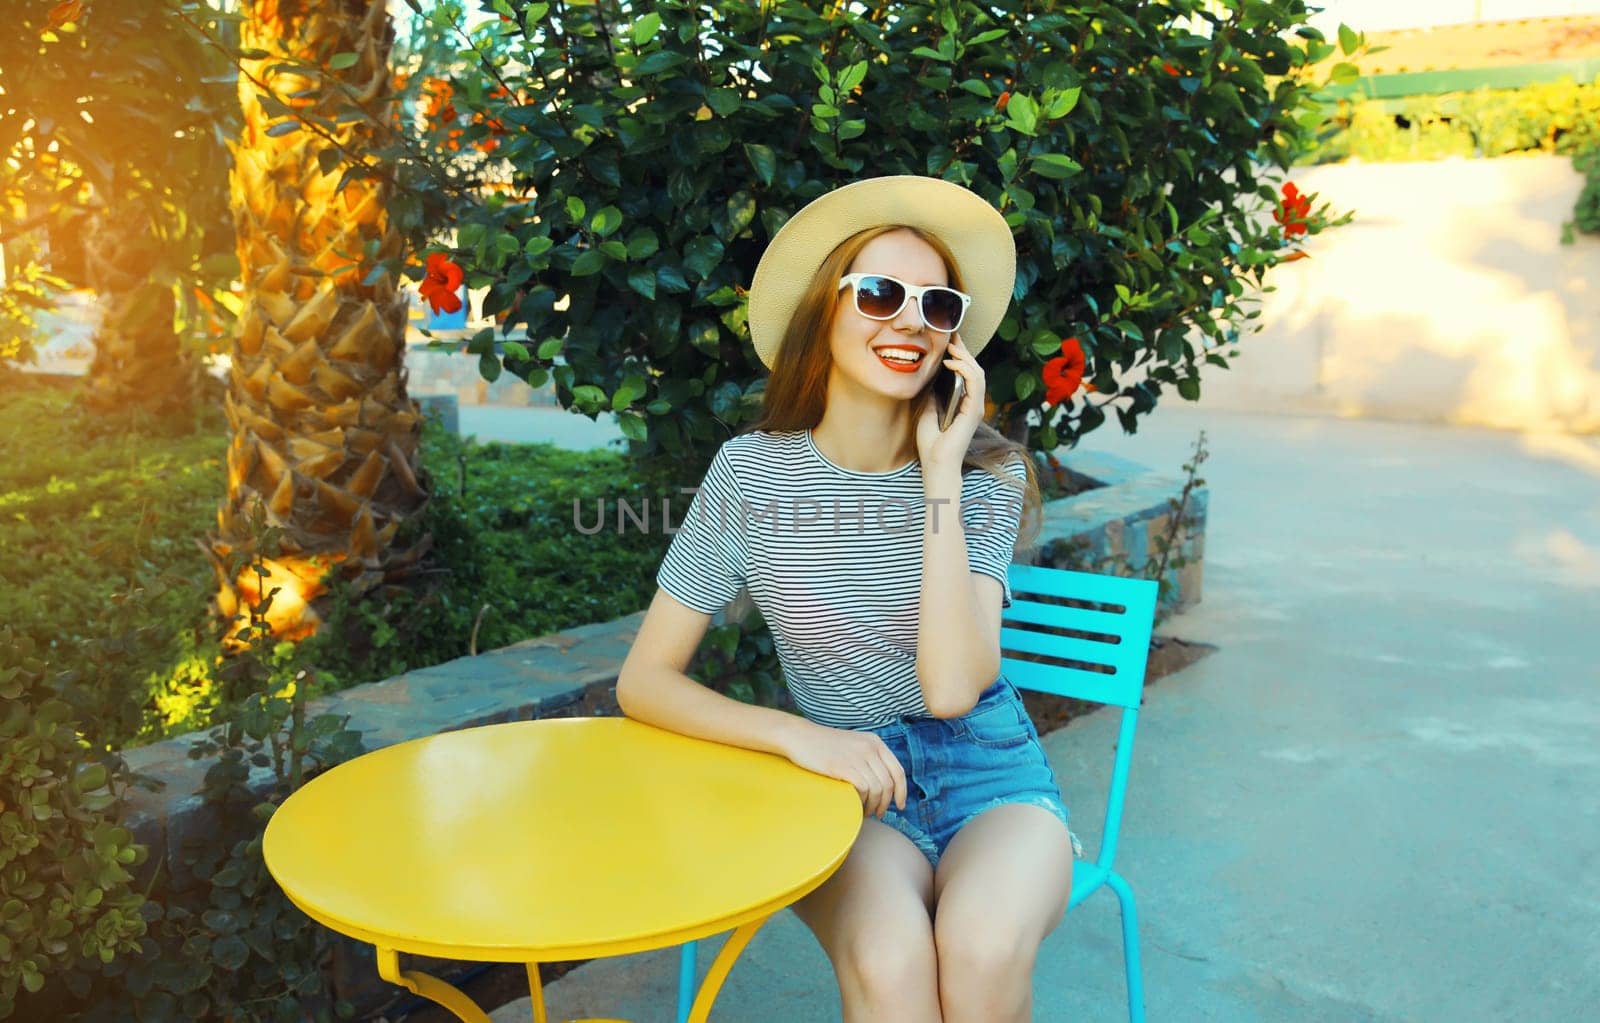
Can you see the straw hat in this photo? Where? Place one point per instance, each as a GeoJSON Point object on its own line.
{"type": "Point", "coordinates": [976, 233]}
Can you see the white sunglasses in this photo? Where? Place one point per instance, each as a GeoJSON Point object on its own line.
{"type": "Point", "coordinates": [881, 297]}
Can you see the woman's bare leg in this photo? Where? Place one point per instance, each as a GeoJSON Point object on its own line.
{"type": "Point", "coordinates": [873, 918]}
{"type": "Point", "coordinates": [1002, 885]}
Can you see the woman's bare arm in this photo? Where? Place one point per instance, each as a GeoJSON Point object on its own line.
{"type": "Point", "coordinates": [653, 688]}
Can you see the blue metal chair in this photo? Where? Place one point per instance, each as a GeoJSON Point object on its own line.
{"type": "Point", "coordinates": [1085, 636]}
{"type": "Point", "coordinates": [1088, 637]}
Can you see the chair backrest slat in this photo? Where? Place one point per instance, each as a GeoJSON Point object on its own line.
{"type": "Point", "coordinates": [1103, 631]}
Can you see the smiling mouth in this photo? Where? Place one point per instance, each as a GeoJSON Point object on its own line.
{"type": "Point", "coordinates": [901, 360]}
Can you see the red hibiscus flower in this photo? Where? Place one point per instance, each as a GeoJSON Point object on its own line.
{"type": "Point", "coordinates": [439, 285]}
{"type": "Point", "coordinates": [1063, 375]}
{"type": "Point", "coordinates": [1005, 97]}
{"type": "Point", "coordinates": [1168, 68]}
{"type": "Point", "coordinates": [1293, 210]}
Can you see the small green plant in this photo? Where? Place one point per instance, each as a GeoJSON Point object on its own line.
{"type": "Point", "coordinates": [65, 888]}
{"type": "Point", "coordinates": [225, 942]}
{"type": "Point", "coordinates": [1169, 545]}
{"type": "Point", "coordinates": [1586, 213]}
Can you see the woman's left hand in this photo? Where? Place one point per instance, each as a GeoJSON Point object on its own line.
{"type": "Point", "coordinates": [938, 449]}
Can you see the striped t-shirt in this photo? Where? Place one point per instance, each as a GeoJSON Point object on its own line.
{"type": "Point", "coordinates": [833, 559]}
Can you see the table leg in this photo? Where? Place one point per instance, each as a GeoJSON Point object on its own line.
{"type": "Point", "coordinates": [434, 989]}
{"type": "Point", "coordinates": [701, 1011]}
{"type": "Point", "coordinates": [536, 989]}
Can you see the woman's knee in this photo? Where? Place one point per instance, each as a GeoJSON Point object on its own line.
{"type": "Point", "coordinates": [873, 917]}
{"type": "Point", "coordinates": [978, 948]}
{"type": "Point", "coordinates": [890, 959]}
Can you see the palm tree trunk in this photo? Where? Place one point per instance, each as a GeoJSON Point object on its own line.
{"type": "Point", "coordinates": [324, 436]}
{"type": "Point", "coordinates": [137, 361]}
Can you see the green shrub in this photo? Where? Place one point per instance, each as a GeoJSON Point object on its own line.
{"type": "Point", "coordinates": [1552, 117]}
{"type": "Point", "coordinates": [64, 880]}
{"type": "Point", "coordinates": [98, 565]}
{"type": "Point", "coordinates": [100, 572]}
{"type": "Point", "coordinates": [515, 564]}
{"type": "Point", "coordinates": [657, 148]}
{"type": "Point", "coordinates": [1586, 215]}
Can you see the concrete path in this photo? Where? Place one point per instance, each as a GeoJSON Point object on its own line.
{"type": "Point", "coordinates": [1380, 800]}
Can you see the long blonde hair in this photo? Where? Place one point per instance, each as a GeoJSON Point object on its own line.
{"type": "Point", "coordinates": [796, 392]}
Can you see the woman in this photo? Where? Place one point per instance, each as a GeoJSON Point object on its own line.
{"type": "Point", "coordinates": [875, 544]}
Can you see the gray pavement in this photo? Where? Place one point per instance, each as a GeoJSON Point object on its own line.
{"type": "Point", "coordinates": [1379, 800]}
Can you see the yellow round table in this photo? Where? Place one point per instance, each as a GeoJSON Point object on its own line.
{"type": "Point", "coordinates": [570, 838]}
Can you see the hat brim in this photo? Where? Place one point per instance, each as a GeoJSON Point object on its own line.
{"type": "Point", "coordinates": [975, 232]}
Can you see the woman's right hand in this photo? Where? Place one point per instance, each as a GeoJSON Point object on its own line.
{"type": "Point", "coordinates": [860, 758]}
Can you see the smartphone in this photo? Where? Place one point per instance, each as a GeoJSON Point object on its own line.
{"type": "Point", "coordinates": [954, 388]}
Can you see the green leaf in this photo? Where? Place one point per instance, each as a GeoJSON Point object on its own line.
{"type": "Point", "coordinates": [633, 426]}
{"type": "Point", "coordinates": [741, 210]}
{"type": "Point", "coordinates": [537, 246]}
{"type": "Point", "coordinates": [923, 51]}
{"type": "Point", "coordinates": [328, 160]}
{"type": "Point", "coordinates": [670, 278]}
{"type": "Point", "coordinates": [976, 86]}
{"type": "Point", "coordinates": [723, 101]}
{"type": "Point", "coordinates": [1064, 102]}
{"type": "Point", "coordinates": [515, 350]}
{"type": "Point", "coordinates": [642, 244]}
{"type": "Point", "coordinates": [489, 367]}
{"type": "Point", "coordinates": [590, 261]}
{"type": "Point", "coordinates": [1046, 345]}
{"type": "Point", "coordinates": [1055, 165]}
{"type": "Point", "coordinates": [1348, 40]}
{"type": "Point", "coordinates": [1008, 164]}
{"type": "Point", "coordinates": [606, 221]}
{"type": "Point", "coordinates": [342, 61]}
{"type": "Point", "coordinates": [550, 347]}
{"type": "Point", "coordinates": [701, 255]}
{"type": "Point", "coordinates": [1022, 114]}
{"type": "Point", "coordinates": [576, 209]}
{"type": "Point", "coordinates": [703, 335]}
{"type": "Point", "coordinates": [1189, 388]}
{"type": "Point", "coordinates": [615, 249]}
{"type": "Point", "coordinates": [853, 76]}
{"type": "Point", "coordinates": [986, 37]}
{"type": "Point", "coordinates": [657, 62]}
{"type": "Point", "coordinates": [646, 28]}
{"type": "Point", "coordinates": [763, 160]}
{"type": "Point", "coordinates": [643, 280]}
{"type": "Point", "coordinates": [283, 128]}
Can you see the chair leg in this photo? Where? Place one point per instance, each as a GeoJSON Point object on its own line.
{"type": "Point", "coordinates": [1130, 946]}
{"type": "Point", "coordinates": [686, 972]}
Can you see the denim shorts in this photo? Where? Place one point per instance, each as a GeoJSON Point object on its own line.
{"type": "Point", "coordinates": [957, 768]}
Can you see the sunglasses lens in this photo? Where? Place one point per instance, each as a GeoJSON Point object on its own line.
{"type": "Point", "coordinates": [941, 308]}
{"type": "Point", "coordinates": [879, 297]}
